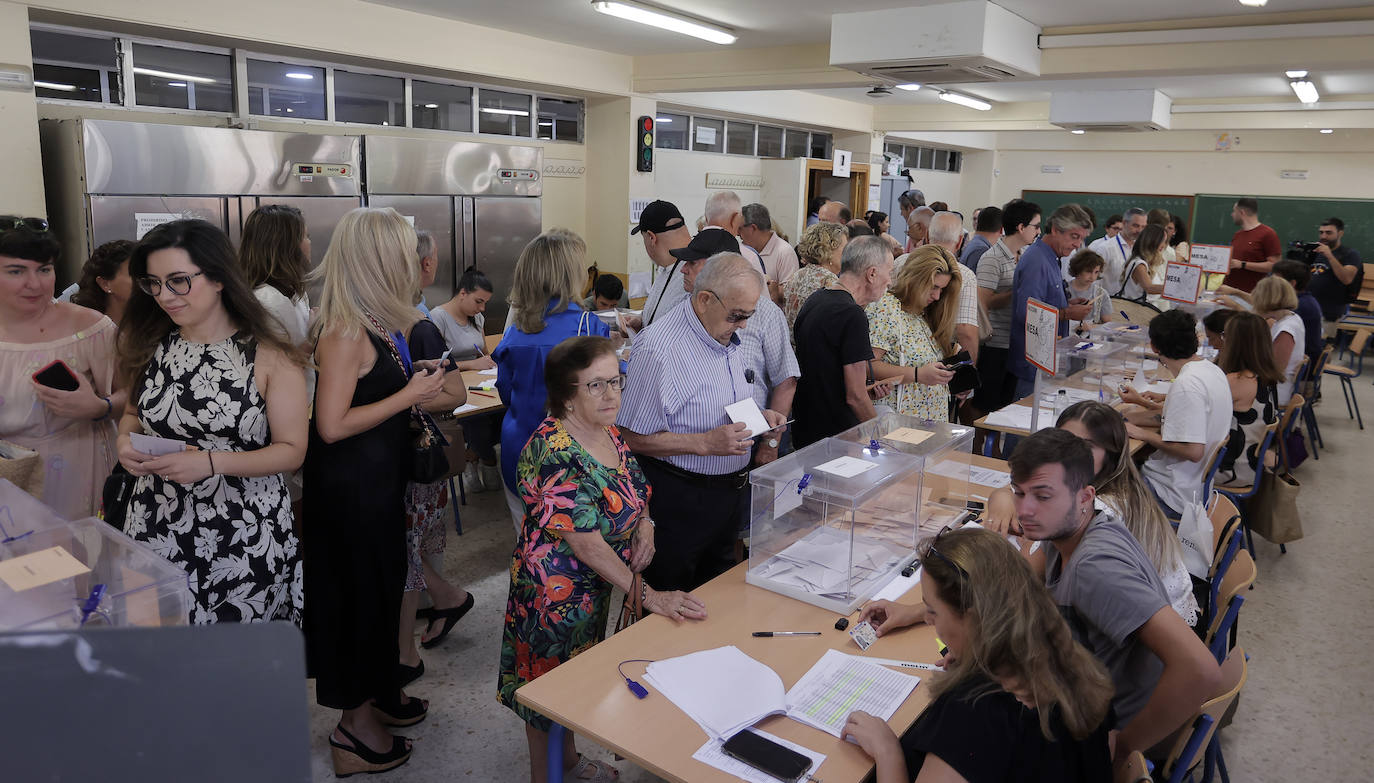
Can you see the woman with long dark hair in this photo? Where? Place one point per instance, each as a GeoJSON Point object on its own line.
{"type": "Point", "coordinates": [207, 368]}
{"type": "Point", "coordinates": [1247, 358]}
{"type": "Point", "coordinates": [275, 256]}
{"type": "Point", "coordinates": [105, 283]}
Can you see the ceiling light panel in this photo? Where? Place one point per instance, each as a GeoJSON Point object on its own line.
{"type": "Point", "coordinates": [665, 20]}
{"type": "Point", "coordinates": [965, 100]}
{"type": "Point", "coordinates": [1306, 91]}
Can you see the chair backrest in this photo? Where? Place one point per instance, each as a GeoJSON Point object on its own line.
{"type": "Point", "coordinates": [1223, 514]}
{"type": "Point", "coordinates": [1135, 312]}
{"type": "Point", "coordinates": [1221, 564]}
{"type": "Point", "coordinates": [491, 341]}
{"type": "Point", "coordinates": [1225, 624]}
{"type": "Point", "coordinates": [1189, 747]}
{"type": "Point", "coordinates": [1286, 422]}
{"type": "Point", "coordinates": [1239, 574]}
{"type": "Point", "coordinates": [1266, 443]}
{"type": "Point", "coordinates": [1312, 380]}
{"type": "Point", "coordinates": [1213, 464]}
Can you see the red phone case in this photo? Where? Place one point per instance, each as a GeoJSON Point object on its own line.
{"type": "Point", "coordinates": [57, 375]}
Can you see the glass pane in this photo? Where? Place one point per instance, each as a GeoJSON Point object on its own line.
{"type": "Point", "coordinates": [910, 157]}
{"type": "Point", "coordinates": [285, 90]}
{"type": "Point", "coordinates": [820, 146]}
{"type": "Point", "coordinates": [708, 135]}
{"type": "Point", "coordinates": [796, 144]}
{"type": "Point", "coordinates": [68, 84]}
{"type": "Point", "coordinates": [369, 98]}
{"type": "Point", "coordinates": [770, 142]}
{"type": "Point", "coordinates": [942, 160]}
{"type": "Point", "coordinates": [71, 67]}
{"type": "Point", "coordinates": [927, 158]}
{"type": "Point", "coordinates": [67, 49]}
{"type": "Point", "coordinates": [183, 79]}
{"type": "Point", "coordinates": [559, 119]}
{"type": "Point", "coordinates": [670, 132]}
{"type": "Point", "coordinates": [739, 138]}
{"type": "Point", "coordinates": [115, 85]}
{"type": "Point", "coordinates": [440, 106]}
{"type": "Point", "coordinates": [956, 161]}
{"type": "Point", "coordinates": [505, 113]}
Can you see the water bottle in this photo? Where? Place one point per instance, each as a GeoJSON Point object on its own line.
{"type": "Point", "coordinates": [1061, 404]}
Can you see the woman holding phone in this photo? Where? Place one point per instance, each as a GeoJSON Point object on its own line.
{"type": "Point", "coordinates": [911, 329]}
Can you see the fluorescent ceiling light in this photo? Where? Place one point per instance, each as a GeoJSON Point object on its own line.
{"type": "Point", "coordinates": [178, 76]}
{"type": "Point", "coordinates": [664, 120]}
{"type": "Point", "coordinates": [964, 100]}
{"type": "Point", "coordinates": [1327, 130]}
{"type": "Point", "coordinates": [1305, 90]}
{"type": "Point", "coordinates": [300, 75]}
{"type": "Point", "coordinates": [290, 110]}
{"type": "Point", "coordinates": [55, 86]}
{"type": "Point", "coordinates": [1254, 3]}
{"type": "Point", "coordinates": [666, 21]}
{"type": "Point", "coordinates": [909, 87]}
{"type": "Point", "coordinates": [511, 112]}
{"type": "Point", "coordinates": [1295, 74]}
{"type": "Point", "coordinates": [431, 105]}
{"type": "Point", "coordinates": [176, 84]}
{"type": "Point", "coordinates": [1078, 131]}
{"type": "Point", "coordinates": [546, 124]}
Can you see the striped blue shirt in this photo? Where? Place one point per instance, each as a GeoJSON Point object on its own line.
{"type": "Point", "coordinates": [766, 348]}
{"type": "Point", "coordinates": [680, 380]}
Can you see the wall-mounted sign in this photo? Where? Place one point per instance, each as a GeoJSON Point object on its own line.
{"type": "Point", "coordinates": [734, 181]}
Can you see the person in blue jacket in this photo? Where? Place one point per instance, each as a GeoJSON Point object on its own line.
{"type": "Point", "coordinates": [1038, 275]}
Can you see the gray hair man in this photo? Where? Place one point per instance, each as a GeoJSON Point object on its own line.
{"type": "Point", "coordinates": [918, 227]}
{"type": "Point", "coordinates": [835, 391]}
{"type": "Point", "coordinates": [1115, 251]}
{"type": "Point", "coordinates": [778, 257]}
{"type": "Point", "coordinates": [724, 211]}
{"type": "Point", "coordinates": [830, 212]}
{"type": "Point", "coordinates": [663, 229]}
{"type": "Point", "coordinates": [428, 251]}
{"type": "Point", "coordinates": [682, 375]}
{"type": "Point", "coordinates": [947, 230]}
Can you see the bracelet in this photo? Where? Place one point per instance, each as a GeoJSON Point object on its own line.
{"type": "Point", "coordinates": [643, 592]}
{"type": "Point", "coordinates": [210, 456]}
{"type": "Point", "coordinates": [109, 408]}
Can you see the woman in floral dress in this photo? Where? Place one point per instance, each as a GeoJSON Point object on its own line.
{"type": "Point", "coordinates": [585, 531]}
{"type": "Point", "coordinates": [911, 329]}
{"type": "Point", "coordinates": [820, 249]}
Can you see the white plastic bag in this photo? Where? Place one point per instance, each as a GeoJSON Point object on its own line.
{"type": "Point", "coordinates": [1195, 534]}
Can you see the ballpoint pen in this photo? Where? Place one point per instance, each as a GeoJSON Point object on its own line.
{"type": "Point", "coordinates": [766, 634]}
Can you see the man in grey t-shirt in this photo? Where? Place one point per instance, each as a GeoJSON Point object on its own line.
{"type": "Point", "coordinates": [1109, 592]}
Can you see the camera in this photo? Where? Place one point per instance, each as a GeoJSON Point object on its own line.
{"type": "Point", "coordinates": [1305, 252]}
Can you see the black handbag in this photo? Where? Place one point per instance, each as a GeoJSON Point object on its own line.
{"type": "Point", "coordinates": [115, 496]}
{"type": "Point", "coordinates": [428, 462]}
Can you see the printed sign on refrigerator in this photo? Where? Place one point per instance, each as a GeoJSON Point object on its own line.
{"type": "Point", "coordinates": [1214, 259]}
{"type": "Point", "coordinates": [1182, 282]}
{"type": "Point", "coordinates": [1042, 329]}
{"type": "Point", "coordinates": [147, 221]}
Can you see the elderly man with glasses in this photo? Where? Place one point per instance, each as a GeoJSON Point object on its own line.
{"type": "Point", "coordinates": [682, 374]}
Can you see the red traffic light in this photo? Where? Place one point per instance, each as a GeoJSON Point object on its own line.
{"type": "Point", "coordinates": [647, 122]}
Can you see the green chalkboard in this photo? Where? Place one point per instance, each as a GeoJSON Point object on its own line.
{"type": "Point", "coordinates": [1104, 205]}
{"type": "Point", "coordinates": [1293, 219]}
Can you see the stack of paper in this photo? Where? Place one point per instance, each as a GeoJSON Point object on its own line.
{"type": "Point", "coordinates": [821, 563]}
{"type": "Point", "coordinates": [1018, 417]}
{"type": "Point", "coordinates": [723, 690]}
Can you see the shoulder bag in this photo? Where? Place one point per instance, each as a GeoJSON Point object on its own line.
{"type": "Point", "coordinates": [427, 463]}
{"type": "Point", "coordinates": [633, 608]}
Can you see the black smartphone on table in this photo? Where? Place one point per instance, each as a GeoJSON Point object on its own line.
{"type": "Point", "coordinates": [57, 376]}
{"type": "Point", "coordinates": [768, 756]}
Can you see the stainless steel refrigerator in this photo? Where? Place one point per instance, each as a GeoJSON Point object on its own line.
{"type": "Point", "coordinates": [480, 201]}
{"type": "Point", "coordinates": [116, 180]}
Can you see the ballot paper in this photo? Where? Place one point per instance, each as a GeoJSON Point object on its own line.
{"type": "Point", "coordinates": [846, 467]}
{"type": "Point", "coordinates": [488, 371]}
{"type": "Point", "coordinates": [153, 445]}
{"type": "Point", "coordinates": [986, 477]}
{"type": "Point", "coordinates": [464, 408]}
{"type": "Point", "coordinates": [712, 755]}
{"type": "Point", "coordinates": [1018, 417]}
{"type": "Point", "coordinates": [908, 435]}
{"type": "Point", "coordinates": [747, 412]}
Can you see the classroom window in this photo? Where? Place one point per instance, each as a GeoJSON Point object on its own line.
{"type": "Point", "coordinates": [926, 159]}
{"type": "Point", "coordinates": [911, 157]}
{"type": "Point", "coordinates": [739, 138]}
{"type": "Point", "coordinates": [708, 135]}
{"type": "Point", "coordinates": [75, 67]}
{"type": "Point", "coordinates": [503, 113]}
{"type": "Point", "coordinates": [183, 79]}
{"type": "Point", "coordinates": [796, 143]}
{"type": "Point", "coordinates": [440, 106]}
{"type": "Point", "coordinates": [956, 160]}
{"type": "Point", "coordinates": [941, 160]}
{"type": "Point", "coordinates": [820, 146]}
{"type": "Point", "coordinates": [285, 90]}
{"type": "Point", "coordinates": [560, 119]}
{"type": "Point", "coordinates": [369, 98]}
{"type": "Point", "coordinates": [670, 130]}
{"type": "Point", "coordinates": [770, 141]}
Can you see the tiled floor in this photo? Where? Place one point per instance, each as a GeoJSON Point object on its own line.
{"type": "Point", "coordinates": [1304, 715]}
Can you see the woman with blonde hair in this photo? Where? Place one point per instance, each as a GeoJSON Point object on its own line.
{"type": "Point", "coordinates": [1144, 266]}
{"type": "Point", "coordinates": [1277, 301]}
{"type": "Point", "coordinates": [911, 329]}
{"type": "Point", "coordinates": [1014, 681]}
{"type": "Point", "coordinates": [545, 298]}
{"type": "Point", "coordinates": [819, 251]}
{"type": "Point", "coordinates": [356, 470]}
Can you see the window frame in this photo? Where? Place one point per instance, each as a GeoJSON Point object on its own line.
{"type": "Point", "coordinates": [117, 69]}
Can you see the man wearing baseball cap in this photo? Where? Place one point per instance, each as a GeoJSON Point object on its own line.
{"type": "Point", "coordinates": [663, 230]}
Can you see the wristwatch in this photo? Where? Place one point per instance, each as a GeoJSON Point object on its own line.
{"type": "Point", "coordinates": [1242, 265]}
{"type": "Point", "coordinates": [771, 443]}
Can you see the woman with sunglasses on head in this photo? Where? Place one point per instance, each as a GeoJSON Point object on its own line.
{"type": "Point", "coordinates": [71, 428]}
{"type": "Point", "coordinates": [207, 368]}
{"type": "Point", "coordinates": [1019, 699]}
{"type": "Point", "coordinates": [585, 530]}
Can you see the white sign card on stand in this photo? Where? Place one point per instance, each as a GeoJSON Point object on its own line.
{"type": "Point", "coordinates": [1214, 259]}
{"type": "Point", "coordinates": [1042, 329]}
{"type": "Point", "coordinates": [1182, 282]}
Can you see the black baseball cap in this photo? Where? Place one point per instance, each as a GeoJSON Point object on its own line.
{"type": "Point", "coordinates": [707, 243]}
{"type": "Point", "coordinates": [658, 217]}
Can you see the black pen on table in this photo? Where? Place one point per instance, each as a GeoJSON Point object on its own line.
{"type": "Point", "coordinates": [768, 634]}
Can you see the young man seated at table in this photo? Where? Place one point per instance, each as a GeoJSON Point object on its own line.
{"type": "Point", "coordinates": [1185, 424]}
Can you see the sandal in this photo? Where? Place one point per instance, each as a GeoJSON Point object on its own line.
{"type": "Point", "coordinates": [409, 674]}
{"type": "Point", "coordinates": [361, 758]}
{"type": "Point", "coordinates": [592, 771]}
{"type": "Point", "coordinates": [450, 617]}
{"type": "Point", "coordinates": [408, 713]}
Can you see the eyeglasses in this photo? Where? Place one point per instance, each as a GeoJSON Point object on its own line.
{"type": "Point", "coordinates": [601, 386]}
{"type": "Point", "coordinates": [11, 223]}
{"type": "Point", "coordinates": [733, 316]}
{"type": "Point", "coordinates": [177, 284]}
{"type": "Point", "coordinates": [930, 548]}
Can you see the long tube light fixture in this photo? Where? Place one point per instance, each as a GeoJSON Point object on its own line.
{"type": "Point", "coordinates": [178, 76]}
{"type": "Point", "coordinates": [510, 112]}
{"type": "Point", "coordinates": [1305, 90]}
{"type": "Point", "coordinates": [665, 20]}
{"type": "Point", "coordinates": [965, 100]}
{"type": "Point", "coordinates": [55, 86]}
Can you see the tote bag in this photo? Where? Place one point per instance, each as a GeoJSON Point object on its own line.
{"type": "Point", "coordinates": [1274, 508]}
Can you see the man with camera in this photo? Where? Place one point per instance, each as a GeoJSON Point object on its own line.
{"type": "Point", "coordinates": [1337, 273]}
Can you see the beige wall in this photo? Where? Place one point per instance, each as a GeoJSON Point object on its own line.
{"type": "Point", "coordinates": [21, 184]}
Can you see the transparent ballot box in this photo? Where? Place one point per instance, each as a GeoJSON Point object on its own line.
{"type": "Point", "coordinates": [85, 573]}
{"type": "Point", "coordinates": [834, 522]}
{"type": "Point", "coordinates": [1090, 369]}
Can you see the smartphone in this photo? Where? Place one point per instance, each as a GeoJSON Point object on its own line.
{"type": "Point", "coordinates": [57, 376]}
{"type": "Point", "coordinates": [446, 364]}
{"type": "Point", "coordinates": [768, 756]}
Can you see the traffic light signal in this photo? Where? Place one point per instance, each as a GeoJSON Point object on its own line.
{"type": "Point", "coordinates": [644, 157]}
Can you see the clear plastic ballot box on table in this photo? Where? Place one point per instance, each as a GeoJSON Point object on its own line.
{"type": "Point", "coordinates": [854, 524]}
{"type": "Point", "coordinates": [57, 575]}
{"type": "Point", "coordinates": [1089, 369]}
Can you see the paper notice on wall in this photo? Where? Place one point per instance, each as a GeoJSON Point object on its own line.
{"type": "Point", "coordinates": [1182, 282]}
{"type": "Point", "coordinates": [1042, 328]}
{"type": "Point", "coordinates": [875, 197]}
{"type": "Point", "coordinates": [839, 165]}
{"type": "Point", "coordinates": [637, 206]}
{"type": "Point", "coordinates": [147, 221]}
{"type": "Point", "coordinates": [1214, 259]}
{"type": "Point", "coordinates": [706, 135]}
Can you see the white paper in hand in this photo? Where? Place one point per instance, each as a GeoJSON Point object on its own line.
{"type": "Point", "coordinates": [747, 412]}
{"type": "Point", "coordinates": [154, 446]}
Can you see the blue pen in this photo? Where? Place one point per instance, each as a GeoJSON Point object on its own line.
{"type": "Point", "coordinates": [1123, 315]}
{"type": "Point", "coordinates": [477, 348]}
{"type": "Point", "coordinates": [92, 603]}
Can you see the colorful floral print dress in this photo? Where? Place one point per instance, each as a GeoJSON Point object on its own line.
{"type": "Point", "coordinates": [558, 605]}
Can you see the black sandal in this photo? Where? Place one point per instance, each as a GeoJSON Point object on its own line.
{"type": "Point", "coordinates": [450, 618]}
{"type": "Point", "coordinates": [361, 758]}
{"type": "Point", "coordinates": [408, 713]}
{"type": "Point", "coordinates": [409, 674]}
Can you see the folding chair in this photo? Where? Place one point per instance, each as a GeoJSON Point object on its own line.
{"type": "Point", "coordinates": [1239, 576]}
{"type": "Point", "coordinates": [1223, 514]}
{"type": "Point", "coordinates": [1287, 420]}
{"type": "Point", "coordinates": [1197, 744]}
{"type": "Point", "coordinates": [1213, 465]}
{"type": "Point", "coordinates": [1240, 494]}
{"type": "Point", "coordinates": [1311, 389]}
{"type": "Point", "coordinates": [1344, 375]}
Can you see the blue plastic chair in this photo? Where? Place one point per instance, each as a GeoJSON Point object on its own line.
{"type": "Point", "coordinates": [1199, 747]}
{"type": "Point", "coordinates": [1228, 557]}
{"type": "Point", "coordinates": [1239, 495]}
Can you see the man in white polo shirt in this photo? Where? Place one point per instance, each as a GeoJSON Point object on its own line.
{"type": "Point", "coordinates": [1115, 250]}
{"type": "Point", "coordinates": [779, 259]}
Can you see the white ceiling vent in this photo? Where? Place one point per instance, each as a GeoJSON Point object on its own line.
{"type": "Point", "coordinates": [1111, 110]}
{"type": "Point", "coordinates": [949, 43]}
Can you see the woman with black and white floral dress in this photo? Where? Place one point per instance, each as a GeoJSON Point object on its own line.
{"type": "Point", "coordinates": [207, 370]}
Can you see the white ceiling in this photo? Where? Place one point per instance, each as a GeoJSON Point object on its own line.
{"type": "Point", "coordinates": [783, 22]}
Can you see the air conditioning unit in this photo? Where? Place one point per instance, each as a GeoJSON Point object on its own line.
{"type": "Point", "coordinates": [1111, 110]}
{"type": "Point", "coordinates": [949, 43]}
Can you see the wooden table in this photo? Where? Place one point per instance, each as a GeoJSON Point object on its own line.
{"type": "Point", "coordinates": [484, 403]}
{"type": "Point", "coordinates": [587, 696]}
{"type": "Point", "coordinates": [982, 423]}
